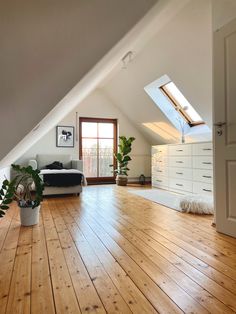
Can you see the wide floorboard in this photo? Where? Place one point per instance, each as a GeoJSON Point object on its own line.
{"type": "Point", "coordinates": [109, 251]}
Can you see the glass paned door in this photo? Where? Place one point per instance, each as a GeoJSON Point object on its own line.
{"type": "Point", "coordinates": [98, 143]}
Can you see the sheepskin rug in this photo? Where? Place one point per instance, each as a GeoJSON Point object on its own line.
{"type": "Point", "coordinates": [197, 204]}
{"type": "Point", "coordinates": [189, 203]}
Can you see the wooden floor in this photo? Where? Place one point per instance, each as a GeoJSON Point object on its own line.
{"type": "Point", "coordinates": [109, 251]}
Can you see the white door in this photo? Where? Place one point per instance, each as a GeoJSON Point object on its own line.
{"type": "Point", "coordinates": [224, 110]}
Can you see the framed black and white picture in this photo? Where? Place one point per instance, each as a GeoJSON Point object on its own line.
{"type": "Point", "coordinates": [65, 136]}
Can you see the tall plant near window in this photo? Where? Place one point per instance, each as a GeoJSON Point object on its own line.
{"type": "Point", "coordinates": [123, 158]}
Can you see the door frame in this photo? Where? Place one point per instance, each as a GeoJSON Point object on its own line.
{"type": "Point", "coordinates": [97, 180]}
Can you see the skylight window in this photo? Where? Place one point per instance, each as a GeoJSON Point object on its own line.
{"type": "Point", "coordinates": [181, 104]}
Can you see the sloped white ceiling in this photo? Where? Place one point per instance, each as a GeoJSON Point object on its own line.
{"type": "Point", "coordinates": [183, 51]}
{"type": "Point", "coordinates": [25, 106]}
{"type": "Point", "coordinates": [47, 47]}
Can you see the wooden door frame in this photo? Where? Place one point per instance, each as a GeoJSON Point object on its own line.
{"type": "Point", "coordinates": [98, 180]}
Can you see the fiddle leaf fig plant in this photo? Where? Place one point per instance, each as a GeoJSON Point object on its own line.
{"type": "Point", "coordinates": [26, 187]}
{"type": "Point", "coordinates": [122, 157]}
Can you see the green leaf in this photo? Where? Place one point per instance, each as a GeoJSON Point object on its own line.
{"type": "Point", "coordinates": [7, 201]}
{"type": "Point", "coordinates": [126, 158]}
{"type": "Point", "coordinates": [9, 194]}
{"type": "Point", "coordinates": [4, 207]}
{"type": "Point", "coordinates": [119, 157]}
{"type": "Point", "coordinates": [5, 182]}
{"type": "Point", "coordinates": [2, 213]}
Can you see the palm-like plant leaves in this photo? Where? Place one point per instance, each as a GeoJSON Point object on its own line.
{"type": "Point", "coordinates": [7, 195]}
{"type": "Point", "coordinates": [25, 176]}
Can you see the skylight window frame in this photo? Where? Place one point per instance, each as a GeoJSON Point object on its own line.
{"type": "Point", "coordinates": [174, 102]}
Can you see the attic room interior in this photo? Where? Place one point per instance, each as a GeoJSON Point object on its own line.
{"type": "Point", "coordinates": [118, 156]}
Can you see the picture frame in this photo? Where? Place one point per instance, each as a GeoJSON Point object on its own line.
{"type": "Point", "coordinates": [65, 136]}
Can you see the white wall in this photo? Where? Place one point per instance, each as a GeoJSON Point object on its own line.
{"type": "Point", "coordinates": [223, 11]}
{"type": "Point", "coordinates": [182, 50]}
{"type": "Point", "coordinates": [99, 106]}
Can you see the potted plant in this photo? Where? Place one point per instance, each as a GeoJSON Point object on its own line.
{"type": "Point", "coordinates": [123, 158]}
{"type": "Point", "coordinates": [27, 188]}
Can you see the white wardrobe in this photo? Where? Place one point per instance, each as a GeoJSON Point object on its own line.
{"type": "Point", "coordinates": [184, 168]}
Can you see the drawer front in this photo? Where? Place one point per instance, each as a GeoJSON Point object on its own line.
{"type": "Point", "coordinates": [160, 149]}
{"type": "Point", "coordinates": [158, 166]}
{"type": "Point", "coordinates": [202, 188]}
{"type": "Point", "coordinates": [203, 149]}
{"type": "Point", "coordinates": [180, 150]}
{"type": "Point", "coordinates": [160, 160]}
{"type": "Point", "coordinates": [181, 173]}
{"type": "Point", "coordinates": [183, 185]}
{"type": "Point", "coordinates": [203, 162]}
{"type": "Point", "coordinates": [160, 181]}
{"type": "Point", "coordinates": [180, 162]}
{"type": "Point", "coordinates": [203, 175]}
{"type": "Point", "coordinates": [160, 171]}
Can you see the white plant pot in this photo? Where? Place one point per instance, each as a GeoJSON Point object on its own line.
{"type": "Point", "coordinates": [29, 216]}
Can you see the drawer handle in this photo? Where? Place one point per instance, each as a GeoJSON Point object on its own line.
{"type": "Point", "coordinates": [206, 163]}
{"type": "Point", "coordinates": [179, 162]}
{"type": "Point", "coordinates": [206, 190]}
{"type": "Point", "coordinates": [179, 172]}
{"type": "Point", "coordinates": [208, 177]}
{"type": "Point", "coordinates": [179, 150]}
{"type": "Point", "coordinates": [206, 149]}
{"type": "Point", "coordinates": [159, 170]}
{"type": "Point", "coordinates": [159, 180]}
{"type": "Point", "coordinates": [179, 184]}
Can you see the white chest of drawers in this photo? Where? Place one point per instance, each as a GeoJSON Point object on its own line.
{"type": "Point", "coordinates": [186, 168]}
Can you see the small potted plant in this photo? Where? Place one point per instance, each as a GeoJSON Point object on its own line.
{"type": "Point", "coordinates": [27, 188]}
{"type": "Point", "coordinates": [123, 158]}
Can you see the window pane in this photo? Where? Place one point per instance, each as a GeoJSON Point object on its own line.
{"type": "Point", "coordinates": [182, 101]}
{"type": "Point", "coordinates": [89, 129]}
{"type": "Point", "coordinates": [105, 157]}
{"type": "Point", "coordinates": [106, 130]}
{"type": "Point", "coordinates": [89, 153]}
{"type": "Point", "coordinates": [193, 114]}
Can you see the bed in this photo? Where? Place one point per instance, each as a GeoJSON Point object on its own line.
{"type": "Point", "coordinates": [68, 180]}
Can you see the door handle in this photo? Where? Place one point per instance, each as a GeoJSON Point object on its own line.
{"type": "Point", "coordinates": [219, 124]}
